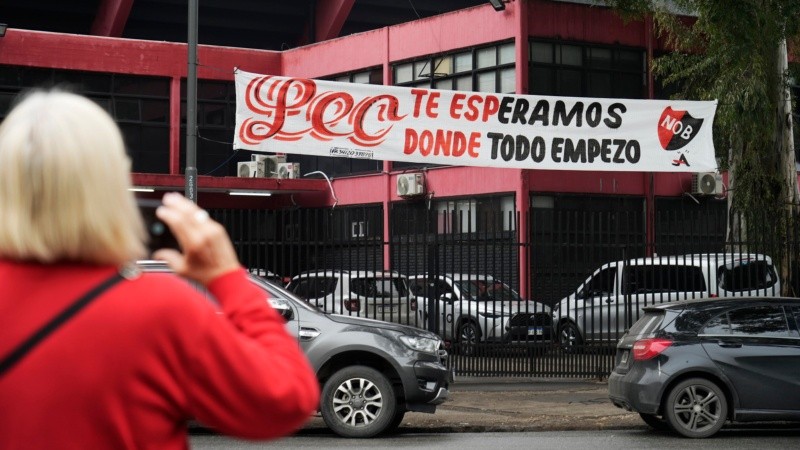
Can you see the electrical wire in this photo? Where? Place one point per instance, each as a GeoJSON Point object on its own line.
{"type": "Point", "coordinates": [235, 152]}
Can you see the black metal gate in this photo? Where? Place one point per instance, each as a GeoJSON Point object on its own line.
{"type": "Point", "coordinates": [463, 269]}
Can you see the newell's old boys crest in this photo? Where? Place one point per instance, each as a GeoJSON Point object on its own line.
{"type": "Point", "coordinates": [677, 128]}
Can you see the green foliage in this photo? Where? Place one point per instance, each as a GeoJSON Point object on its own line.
{"type": "Point", "coordinates": [727, 51]}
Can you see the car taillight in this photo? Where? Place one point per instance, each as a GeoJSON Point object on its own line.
{"type": "Point", "coordinates": [352, 305]}
{"type": "Point", "coordinates": [645, 349]}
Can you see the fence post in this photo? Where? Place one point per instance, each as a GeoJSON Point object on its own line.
{"type": "Point", "coordinates": [430, 287]}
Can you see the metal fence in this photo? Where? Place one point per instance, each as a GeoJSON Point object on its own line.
{"type": "Point", "coordinates": [587, 274]}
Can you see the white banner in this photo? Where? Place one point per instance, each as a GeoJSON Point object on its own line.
{"type": "Point", "coordinates": [326, 118]}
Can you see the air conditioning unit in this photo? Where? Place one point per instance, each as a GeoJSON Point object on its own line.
{"type": "Point", "coordinates": [288, 170]}
{"type": "Point", "coordinates": [410, 184]}
{"type": "Point", "coordinates": [707, 183]}
{"type": "Point", "coordinates": [269, 164]}
{"type": "Point", "coordinates": [248, 169]}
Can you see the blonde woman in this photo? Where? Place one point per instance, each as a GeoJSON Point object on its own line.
{"type": "Point", "coordinates": [148, 352]}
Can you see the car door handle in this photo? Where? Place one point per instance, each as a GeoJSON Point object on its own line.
{"type": "Point", "coordinates": [729, 344]}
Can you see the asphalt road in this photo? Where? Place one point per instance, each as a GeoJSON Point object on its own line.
{"type": "Point", "coordinates": [744, 438]}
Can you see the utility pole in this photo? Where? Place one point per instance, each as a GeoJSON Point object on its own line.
{"type": "Point", "coordinates": [191, 106]}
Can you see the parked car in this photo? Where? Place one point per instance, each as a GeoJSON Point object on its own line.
{"type": "Point", "coordinates": [370, 372]}
{"type": "Point", "coordinates": [267, 275]}
{"type": "Point", "coordinates": [471, 308]}
{"type": "Point", "coordinates": [691, 366]}
{"type": "Point", "coordinates": [363, 293]}
{"type": "Point", "coordinates": [612, 298]}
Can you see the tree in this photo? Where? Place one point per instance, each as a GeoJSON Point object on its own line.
{"type": "Point", "coordinates": [736, 52]}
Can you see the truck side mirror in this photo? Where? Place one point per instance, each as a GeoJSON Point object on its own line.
{"type": "Point", "coordinates": [283, 308]}
{"type": "Point", "coordinates": [448, 297]}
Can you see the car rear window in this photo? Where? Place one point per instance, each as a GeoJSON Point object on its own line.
{"type": "Point", "coordinates": [663, 278]}
{"type": "Point", "coordinates": [647, 324]}
{"type": "Point", "coordinates": [312, 287]}
{"type": "Point", "coordinates": [746, 276]}
{"type": "Point", "coordinates": [383, 287]}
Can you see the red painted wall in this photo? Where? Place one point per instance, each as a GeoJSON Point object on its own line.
{"type": "Point", "coordinates": [574, 22]}
{"type": "Point", "coordinates": [461, 29]}
{"type": "Point", "coordinates": [116, 55]}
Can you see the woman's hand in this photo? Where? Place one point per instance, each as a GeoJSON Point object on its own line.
{"type": "Point", "coordinates": [207, 251]}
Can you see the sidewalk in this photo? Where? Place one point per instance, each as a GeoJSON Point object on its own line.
{"type": "Point", "coordinates": [487, 404]}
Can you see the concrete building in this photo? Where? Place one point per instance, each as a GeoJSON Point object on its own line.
{"type": "Point", "coordinates": [131, 57]}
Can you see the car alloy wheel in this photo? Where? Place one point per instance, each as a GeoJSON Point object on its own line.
{"type": "Point", "coordinates": [569, 337]}
{"type": "Point", "coordinates": [696, 408]}
{"type": "Point", "coordinates": [468, 336]}
{"type": "Point", "coordinates": [358, 401]}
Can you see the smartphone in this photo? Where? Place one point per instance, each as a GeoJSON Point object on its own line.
{"type": "Point", "coordinates": [159, 234]}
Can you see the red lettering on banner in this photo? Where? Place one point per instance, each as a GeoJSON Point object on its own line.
{"type": "Point", "coordinates": [441, 143]}
{"type": "Point", "coordinates": [430, 105]}
{"type": "Point", "coordinates": [433, 104]}
{"type": "Point", "coordinates": [387, 106]}
{"type": "Point", "coordinates": [476, 107]}
{"type": "Point", "coordinates": [418, 94]}
{"type": "Point", "coordinates": [472, 107]}
{"type": "Point", "coordinates": [330, 114]}
{"type": "Point", "coordinates": [456, 105]}
{"type": "Point", "coordinates": [275, 105]}
{"type": "Point", "coordinates": [491, 107]}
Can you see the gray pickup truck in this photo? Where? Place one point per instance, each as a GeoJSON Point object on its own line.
{"type": "Point", "coordinates": [370, 372]}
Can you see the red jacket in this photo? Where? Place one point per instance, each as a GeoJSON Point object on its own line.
{"type": "Point", "coordinates": [150, 353]}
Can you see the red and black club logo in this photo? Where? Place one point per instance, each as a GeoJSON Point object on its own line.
{"type": "Point", "coordinates": [677, 128]}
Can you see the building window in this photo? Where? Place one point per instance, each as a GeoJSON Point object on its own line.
{"type": "Point", "coordinates": [579, 70]}
{"type": "Point", "coordinates": [371, 76]}
{"type": "Point", "coordinates": [139, 105]}
{"type": "Point", "coordinates": [483, 69]}
{"type": "Point", "coordinates": [216, 123]}
{"type": "Point", "coordinates": [355, 222]}
{"type": "Point", "coordinates": [475, 215]}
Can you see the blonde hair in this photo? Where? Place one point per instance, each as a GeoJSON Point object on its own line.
{"type": "Point", "coordinates": [64, 180]}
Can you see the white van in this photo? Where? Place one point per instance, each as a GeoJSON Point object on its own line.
{"type": "Point", "coordinates": [612, 298]}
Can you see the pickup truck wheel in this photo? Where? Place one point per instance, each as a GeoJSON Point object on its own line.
{"type": "Point", "coordinates": [399, 415]}
{"type": "Point", "coordinates": [358, 402]}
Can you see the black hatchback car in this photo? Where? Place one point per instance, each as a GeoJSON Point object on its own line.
{"type": "Point", "coordinates": [691, 366]}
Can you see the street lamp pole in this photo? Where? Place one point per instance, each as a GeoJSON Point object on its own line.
{"type": "Point", "coordinates": [191, 106]}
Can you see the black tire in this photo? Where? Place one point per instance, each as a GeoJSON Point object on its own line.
{"type": "Point", "coordinates": [655, 422]}
{"type": "Point", "coordinates": [399, 415]}
{"type": "Point", "coordinates": [469, 335]}
{"type": "Point", "coordinates": [569, 337]}
{"type": "Point", "coordinates": [696, 408]}
{"type": "Point", "coordinates": [358, 402]}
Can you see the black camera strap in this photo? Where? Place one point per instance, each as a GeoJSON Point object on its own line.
{"type": "Point", "coordinates": [11, 359]}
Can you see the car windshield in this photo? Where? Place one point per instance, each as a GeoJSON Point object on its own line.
{"type": "Point", "coordinates": [278, 292]}
{"type": "Point", "coordinates": [483, 290]}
